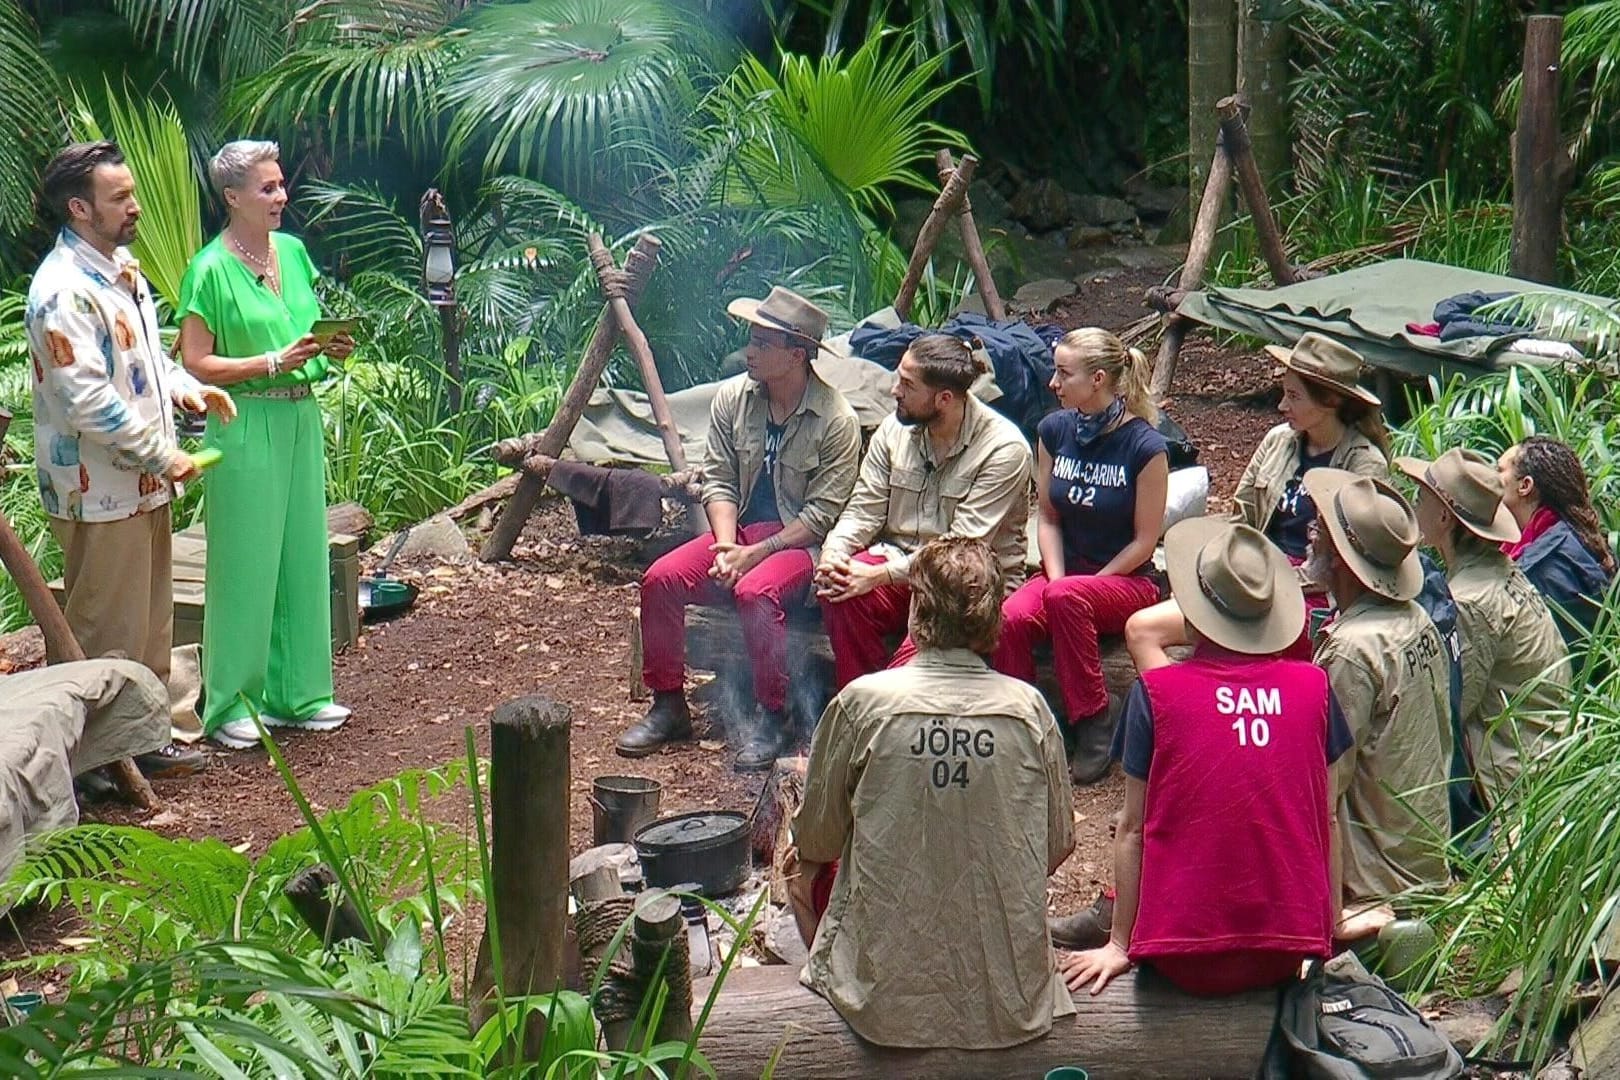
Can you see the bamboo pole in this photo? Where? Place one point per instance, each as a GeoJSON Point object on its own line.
{"type": "Point", "coordinates": [1235, 137]}
{"type": "Point", "coordinates": [945, 207]}
{"type": "Point", "coordinates": [1199, 250]}
{"type": "Point", "coordinates": [638, 267]}
{"type": "Point", "coordinates": [983, 278]}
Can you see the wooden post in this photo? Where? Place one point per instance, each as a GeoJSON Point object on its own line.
{"type": "Point", "coordinates": [528, 801]}
{"type": "Point", "coordinates": [945, 207]}
{"type": "Point", "coordinates": [60, 644]}
{"type": "Point", "coordinates": [636, 341]}
{"type": "Point", "coordinates": [329, 914]}
{"type": "Point", "coordinates": [1235, 137]}
{"type": "Point", "coordinates": [985, 280]}
{"type": "Point", "coordinates": [1199, 250]}
{"type": "Point", "coordinates": [5, 422]}
{"type": "Point", "coordinates": [1538, 159]}
{"type": "Point", "coordinates": [658, 939]}
{"type": "Point", "coordinates": [638, 267]}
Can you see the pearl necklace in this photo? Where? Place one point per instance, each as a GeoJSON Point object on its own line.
{"type": "Point", "coordinates": [267, 264]}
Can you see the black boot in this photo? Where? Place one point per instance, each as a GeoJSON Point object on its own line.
{"type": "Point", "coordinates": [770, 738]}
{"type": "Point", "coordinates": [1088, 929]}
{"type": "Point", "coordinates": [1089, 759]}
{"type": "Point", "coordinates": [668, 720]}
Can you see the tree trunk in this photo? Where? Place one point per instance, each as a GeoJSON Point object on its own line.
{"type": "Point", "coordinates": [1262, 79]}
{"type": "Point", "coordinates": [1538, 157]}
{"type": "Point", "coordinates": [1140, 1028]}
{"type": "Point", "coordinates": [1211, 75]}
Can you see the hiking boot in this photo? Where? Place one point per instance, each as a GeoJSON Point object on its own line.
{"type": "Point", "coordinates": [1091, 758]}
{"type": "Point", "coordinates": [1088, 929]}
{"type": "Point", "coordinates": [95, 786]}
{"type": "Point", "coordinates": [669, 720]}
{"type": "Point", "coordinates": [770, 738]}
{"type": "Point", "coordinates": [168, 762]}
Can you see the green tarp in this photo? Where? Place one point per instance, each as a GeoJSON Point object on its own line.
{"type": "Point", "coordinates": [1368, 309]}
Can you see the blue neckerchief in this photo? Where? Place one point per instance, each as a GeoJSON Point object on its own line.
{"type": "Point", "coordinates": [1088, 428]}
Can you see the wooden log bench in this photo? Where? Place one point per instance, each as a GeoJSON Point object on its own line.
{"type": "Point", "coordinates": [1140, 1028]}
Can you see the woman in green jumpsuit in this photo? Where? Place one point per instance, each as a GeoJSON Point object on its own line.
{"type": "Point", "coordinates": [247, 304]}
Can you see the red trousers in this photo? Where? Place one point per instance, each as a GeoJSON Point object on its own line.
{"type": "Point", "coordinates": [1072, 611]}
{"type": "Point", "coordinates": [856, 628]}
{"type": "Point", "coordinates": [762, 597]}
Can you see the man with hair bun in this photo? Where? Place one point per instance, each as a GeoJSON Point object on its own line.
{"type": "Point", "coordinates": [944, 464]}
{"type": "Point", "coordinates": [935, 786]}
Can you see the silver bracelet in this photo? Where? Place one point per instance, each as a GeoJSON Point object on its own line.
{"type": "Point", "coordinates": [272, 363]}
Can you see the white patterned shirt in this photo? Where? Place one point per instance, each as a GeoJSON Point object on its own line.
{"type": "Point", "coordinates": [104, 392]}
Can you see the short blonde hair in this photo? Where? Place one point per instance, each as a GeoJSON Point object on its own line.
{"type": "Point", "coordinates": [230, 167]}
{"type": "Point", "coordinates": [956, 591]}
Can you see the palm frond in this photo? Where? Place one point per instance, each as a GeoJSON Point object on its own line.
{"type": "Point", "coordinates": [153, 140]}
{"type": "Point", "coordinates": [240, 37]}
{"type": "Point", "coordinates": [362, 223]}
{"type": "Point", "coordinates": [544, 80]}
{"type": "Point", "coordinates": [29, 114]}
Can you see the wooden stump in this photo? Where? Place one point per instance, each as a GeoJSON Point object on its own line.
{"type": "Point", "coordinates": [1140, 1028]}
{"type": "Point", "coordinates": [529, 779]}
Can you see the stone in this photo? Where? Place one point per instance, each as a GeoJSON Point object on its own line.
{"type": "Point", "coordinates": [1084, 236]}
{"type": "Point", "coordinates": [1158, 203]}
{"type": "Point", "coordinates": [1467, 1023]}
{"type": "Point", "coordinates": [1101, 209]}
{"type": "Point", "coordinates": [990, 207]}
{"type": "Point", "coordinates": [1040, 296]}
{"type": "Point", "coordinates": [782, 940]}
{"type": "Point", "coordinates": [1042, 205]}
{"type": "Point", "coordinates": [437, 538]}
{"type": "Point", "coordinates": [1151, 258]}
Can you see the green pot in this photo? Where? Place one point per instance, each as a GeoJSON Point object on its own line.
{"type": "Point", "coordinates": [25, 1003]}
{"type": "Point", "coordinates": [1068, 1072]}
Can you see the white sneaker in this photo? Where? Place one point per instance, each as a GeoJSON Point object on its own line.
{"type": "Point", "coordinates": [326, 718]}
{"type": "Point", "coordinates": [240, 734]}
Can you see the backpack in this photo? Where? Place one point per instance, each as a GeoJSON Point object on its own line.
{"type": "Point", "coordinates": [1342, 1023]}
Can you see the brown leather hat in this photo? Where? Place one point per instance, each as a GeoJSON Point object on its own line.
{"type": "Point", "coordinates": [787, 311]}
{"type": "Point", "coordinates": [1373, 528]}
{"type": "Point", "coordinates": [1467, 482]}
{"type": "Point", "coordinates": [1234, 586]}
{"type": "Point", "coordinates": [1328, 363]}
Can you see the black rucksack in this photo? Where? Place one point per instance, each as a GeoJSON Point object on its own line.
{"type": "Point", "coordinates": [1342, 1023]}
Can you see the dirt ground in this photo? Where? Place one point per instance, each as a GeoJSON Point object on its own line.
{"type": "Point", "coordinates": [554, 622]}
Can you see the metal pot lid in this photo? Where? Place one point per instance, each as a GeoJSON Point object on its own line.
{"type": "Point", "coordinates": [684, 830]}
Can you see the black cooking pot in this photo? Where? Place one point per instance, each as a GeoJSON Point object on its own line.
{"type": "Point", "coordinates": [709, 848]}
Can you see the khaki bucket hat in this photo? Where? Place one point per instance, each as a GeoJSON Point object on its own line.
{"type": "Point", "coordinates": [1234, 586]}
{"type": "Point", "coordinates": [1373, 528]}
{"type": "Point", "coordinates": [1467, 482]}
{"type": "Point", "coordinates": [1328, 363]}
{"type": "Point", "coordinates": [787, 311]}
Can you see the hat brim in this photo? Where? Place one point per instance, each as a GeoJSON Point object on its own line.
{"type": "Point", "coordinates": [747, 310]}
{"type": "Point", "coordinates": [1285, 357]}
{"type": "Point", "coordinates": [1503, 529]}
{"type": "Point", "coordinates": [1273, 632]}
{"type": "Point", "coordinates": [1401, 582]}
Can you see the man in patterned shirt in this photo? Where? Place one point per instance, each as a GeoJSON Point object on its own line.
{"type": "Point", "coordinates": [105, 452]}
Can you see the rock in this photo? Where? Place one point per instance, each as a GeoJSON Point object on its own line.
{"type": "Point", "coordinates": [1467, 1023]}
{"type": "Point", "coordinates": [783, 942]}
{"type": "Point", "coordinates": [1084, 236]}
{"type": "Point", "coordinates": [1158, 203]}
{"type": "Point", "coordinates": [1151, 258]}
{"type": "Point", "coordinates": [1042, 205]}
{"type": "Point", "coordinates": [437, 538]}
{"type": "Point", "coordinates": [909, 215]}
{"type": "Point", "coordinates": [21, 650]}
{"type": "Point", "coordinates": [990, 207]}
{"type": "Point", "coordinates": [1101, 209]}
{"type": "Point", "coordinates": [1040, 296]}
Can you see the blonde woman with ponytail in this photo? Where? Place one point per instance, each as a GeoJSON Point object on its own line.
{"type": "Point", "coordinates": [1102, 475]}
{"type": "Point", "coordinates": [1329, 419]}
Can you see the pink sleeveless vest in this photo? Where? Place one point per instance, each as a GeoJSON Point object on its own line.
{"type": "Point", "coordinates": [1235, 840]}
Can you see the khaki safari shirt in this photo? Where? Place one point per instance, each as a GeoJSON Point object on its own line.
{"type": "Point", "coordinates": [1391, 674]}
{"type": "Point", "coordinates": [1509, 638]}
{"type": "Point", "coordinates": [905, 498]}
{"type": "Point", "coordinates": [1276, 460]}
{"type": "Point", "coordinates": [815, 468]}
{"type": "Point", "coordinates": [941, 788]}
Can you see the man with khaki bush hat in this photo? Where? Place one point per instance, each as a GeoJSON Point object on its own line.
{"type": "Point", "coordinates": [1390, 673]}
{"type": "Point", "coordinates": [1513, 658]}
